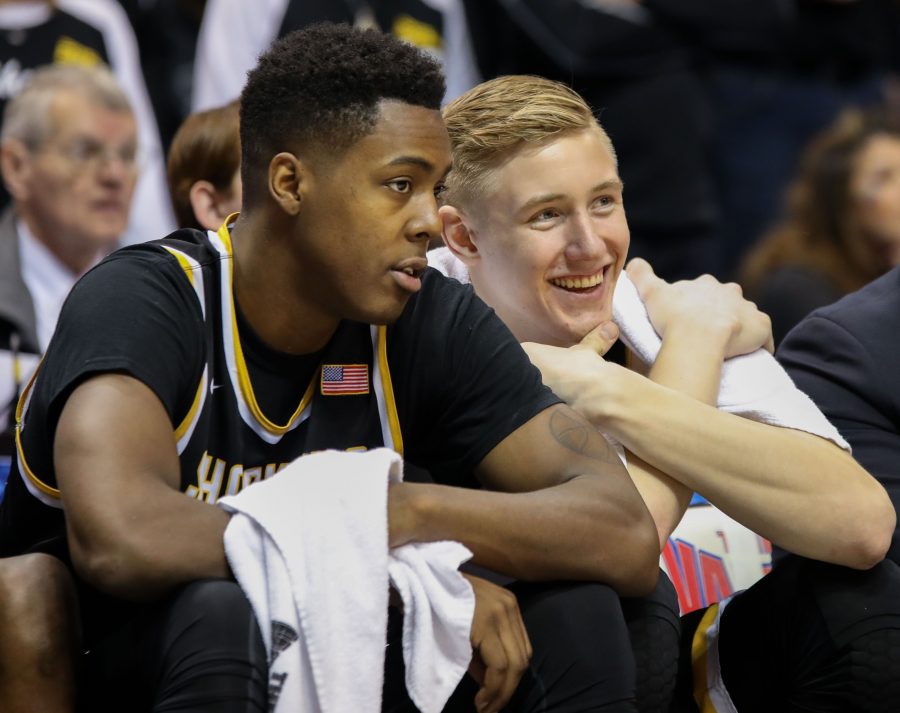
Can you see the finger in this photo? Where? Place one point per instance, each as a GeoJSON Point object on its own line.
{"type": "Point", "coordinates": [770, 340]}
{"type": "Point", "coordinates": [519, 625]}
{"type": "Point", "coordinates": [477, 667]}
{"type": "Point", "coordinates": [496, 669]}
{"type": "Point", "coordinates": [642, 275]}
{"type": "Point", "coordinates": [516, 653]}
{"type": "Point", "coordinates": [601, 338]}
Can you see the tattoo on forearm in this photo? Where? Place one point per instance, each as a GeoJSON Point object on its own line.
{"type": "Point", "coordinates": [579, 436]}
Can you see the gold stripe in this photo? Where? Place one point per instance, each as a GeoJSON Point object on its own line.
{"type": "Point", "coordinates": [699, 651]}
{"type": "Point", "coordinates": [20, 407]}
{"type": "Point", "coordinates": [390, 404]}
{"type": "Point", "coordinates": [183, 261]}
{"type": "Point", "coordinates": [192, 411]}
{"type": "Point", "coordinates": [243, 375]}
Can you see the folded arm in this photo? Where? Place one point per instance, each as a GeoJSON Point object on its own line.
{"type": "Point", "coordinates": [570, 510]}
{"type": "Point", "coordinates": [132, 533]}
{"type": "Point", "coordinates": [560, 506]}
{"type": "Point", "coordinates": [796, 489]}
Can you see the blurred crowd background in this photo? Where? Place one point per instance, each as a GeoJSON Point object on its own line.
{"type": "Point", "coordinates": [758, 140]}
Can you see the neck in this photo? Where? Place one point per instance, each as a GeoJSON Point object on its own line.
{"type": "Point", "coordinates": [265, 289]}
{"type": "Point", "coordinates": [77, 256]}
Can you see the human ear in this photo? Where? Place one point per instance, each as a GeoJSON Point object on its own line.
{"type": "Point", "coordinates": [15, 164]}
{"type": "Point", "coordinates": [287, 181]}
{"type": "Point", "coordinates": [206, 202]}
{"type": "Point", "coordinates": [457, 233]}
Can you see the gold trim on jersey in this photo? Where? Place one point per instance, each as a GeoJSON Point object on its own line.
{"type": "Point", "coordinates": [243, 388]}
{"type": "Point", "coordinates": [186, 428]}
{"type": "Point", "coordinates": [47, 494]}
{"type": "Point", "coordinates": [194, 272]}
{"type": "Point", "coordinates": [234, 353]}
{"type": "Point", "coordinates": [710, 692]}
{"type": "Point", "coordinates": [389, 401]}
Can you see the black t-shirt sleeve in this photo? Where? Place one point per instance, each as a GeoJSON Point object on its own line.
{"type": "Point", "coordinates": [463, 383]}
{"type": "Point", "coordinates": [135, 313]}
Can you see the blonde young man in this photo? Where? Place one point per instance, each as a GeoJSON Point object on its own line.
{"type": "Point", "coordinates": [534, 211]}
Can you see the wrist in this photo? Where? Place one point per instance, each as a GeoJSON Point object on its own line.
{"type": "Point", "coordinates": [706, 337]}
{"type": "Point", "coordinates": [406, 513]}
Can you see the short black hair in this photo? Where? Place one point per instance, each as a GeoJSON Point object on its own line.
{"type": "Point", "coordinates": [321, 85]}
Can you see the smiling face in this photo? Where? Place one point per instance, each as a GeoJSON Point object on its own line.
{"type": "Point", "coordinates": [366, 216]}
{"type": "Point", "coordinates": [550, 238]}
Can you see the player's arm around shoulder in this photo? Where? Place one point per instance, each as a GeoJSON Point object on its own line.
{"type": "Point", "coordinates": [132, 533]}
{"type": "Point", "coordinates": [558, 504]}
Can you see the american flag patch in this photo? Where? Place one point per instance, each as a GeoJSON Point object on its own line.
{"type": "Point", "coordinates": [345, 379]}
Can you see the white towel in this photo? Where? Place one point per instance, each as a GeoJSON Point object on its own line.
{"type": "Point", "coordinates": [754, 385]}
{"type": "Point", "coordinates": [438, 605]}
{"type": "Point", "coordinates": [309, 549]}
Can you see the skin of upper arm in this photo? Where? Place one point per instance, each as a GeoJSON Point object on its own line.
{"type": "Point", "coordinates": [555, 446]}
{"type": "Point", "coordinates": [130, 528]}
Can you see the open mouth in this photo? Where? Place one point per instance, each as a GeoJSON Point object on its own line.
{"type": "Point", "coordinates": [579, 283]}
{"type": "Point", "coordinates": [408, 273]}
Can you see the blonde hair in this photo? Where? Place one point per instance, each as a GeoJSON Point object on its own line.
{"type": "Point", "coordinates": [492, 121]}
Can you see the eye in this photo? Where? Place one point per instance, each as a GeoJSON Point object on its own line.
{"type": "Point", "coordinates": [545, 216]}
{"type": "Point", "coordinates": [604, 203]}
{"type": "Point", "coordinates": [85, 150]}
{"type": "Point", "coordinates": [439, 190]}
{"type": "Point", "coordinates": [400, 185]}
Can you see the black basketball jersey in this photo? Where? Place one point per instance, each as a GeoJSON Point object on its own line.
{"type": "Point", "coordinates": [164, 313]}
{"type": "Point", "coordinates": [225, 441]}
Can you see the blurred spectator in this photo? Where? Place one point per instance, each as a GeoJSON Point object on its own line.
{"type": "Point", "coordinates": [778, 72]}
{"type": "Point", "coordinates": [166, 32]}
{"type": "Point", "coordinates": [235, 32]}
{"type": "Point", "coordinates": [68, 154]}
{"type": "Point", "coordinates": [89, 32]}
{"type": "Point", "coordinates": [841, 226]}
{"type": "Point", "coordinates": [204, 168]}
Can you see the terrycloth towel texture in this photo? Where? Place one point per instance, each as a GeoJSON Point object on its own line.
{"type": "Point", "coordinates": [754, 385]}
{"type": "Point", "coordinates": [309, 548]}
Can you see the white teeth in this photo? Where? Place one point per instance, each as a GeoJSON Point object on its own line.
{"type": "Point", "coordinates": [578, 283]}
{"type": "Point", "coordinates": [409, 271]}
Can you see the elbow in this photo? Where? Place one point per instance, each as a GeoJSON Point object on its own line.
{"type": "Point", "coordinates": [641, 581]}
{"type": "Point", "coordinates": [100, 569]}
{"type": "Point", "coordinates": [873, 541]}
{"type": "Point", "coordinates": [637, 567]}
{"type": "Point", "coordinates": [643, 572]}
{"type": "Point", "coordinates": [105, 567]}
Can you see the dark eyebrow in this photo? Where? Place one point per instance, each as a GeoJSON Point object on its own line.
{"type": "Point", "coordinates": [415, 161]}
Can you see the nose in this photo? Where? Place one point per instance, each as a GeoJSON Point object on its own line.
{"type": "Point", "coordinates": [116, 168]}
{"type": "Point", "coordinates": [584, 243]}
{"type": "Point", "coordinates": [113, 171]}
{"type": "Point", "coordinates": [425, 224]}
